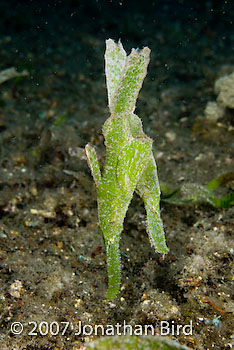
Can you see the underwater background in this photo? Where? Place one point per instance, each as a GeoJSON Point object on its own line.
{"type": "Point", "coordinates": [53, 101]}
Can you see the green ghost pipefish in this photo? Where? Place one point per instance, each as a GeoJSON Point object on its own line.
{"type": "Point", "coordinates": [129, 163]}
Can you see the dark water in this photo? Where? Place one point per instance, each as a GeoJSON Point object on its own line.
{"type": "Point", "coordinates": [174, 28]}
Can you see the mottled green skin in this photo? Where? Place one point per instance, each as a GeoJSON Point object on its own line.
{"type": "Point", "coordinates": [129, 163]}
{"type": "Point", "coordinates": [133, 342]}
